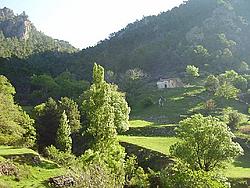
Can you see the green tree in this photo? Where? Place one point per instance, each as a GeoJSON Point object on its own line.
{"type": "Point", "coordinates": [193, 71]}
{"type": "Point", "coordinates": [135, 175]}
{"type": "Point", "coordinates": [73, 114]}
{"type": "Point", "coordinates": [63, 139]}
{"type": "Point", "coordinates": [47, 122]}
{"type": "Point", "coordinates": [102, 110]}
{"type": "Point", "coordinates": [212, 83]}
{"type": "Point", "coordinates": [69, 86]}
{"type": "Point", "coordinates": [233, 78]}
{"type": "Point", "coordinates": [227, 90]}
{"type": "Point", "coordinates": [16, 127]}
{"type": "Point", "coordinates": [181, 176]}
{"type": "Point", "coordinates": [43, 87]}
{"type": "Point", "coordinates": [232, 118]}
{"type": "Point", "coordinates": [206, 143]}
{"type": "Point", "coordinates": [104, 98]}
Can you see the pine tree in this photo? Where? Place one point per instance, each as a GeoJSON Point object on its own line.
{"type": "Point", "coordinates": [63, 139]}
{"type": "Point", "coordinates": [47, 121]}
{"type": "Point", "coordinates": [71, 109]}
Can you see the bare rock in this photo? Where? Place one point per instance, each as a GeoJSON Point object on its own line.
{"type": "Point", "coordinates": [13, 25]}
{"type": "Point", "coordinates": [62, 181]}
{"type": "Point", "coordinates": [8, 169]}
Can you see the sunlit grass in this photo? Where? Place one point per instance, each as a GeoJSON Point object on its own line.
{"type": "Point", "coordinates": [233, 171]}
{"type": "Point", "coordinates": [9, 150]}
{"type": "Point", "coordinates": [160, 144]}
{"type": "Point", "coordinates": [143, 123]}
{"type": "Point", "coordinates": [239, 169]}
{"type": "Point", "coordinates": [34, 176]}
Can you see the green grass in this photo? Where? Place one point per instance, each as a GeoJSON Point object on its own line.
{"type": "Point", "coordinates": [139, 123]}
{"type": "Point", "coordinates": [180, 103]}
{"type": "Point", "coordinates": [160, 144]}
{"type": "Point", "coordinates": [234, 171]}
{"type": "Point", "coordinates": [34, 176]}
{"type": "Point", "coordinates": [143, 123]}
{"type": "Point", "coordinates": [9, 150]}
{"type": "Point", "coordinates": [239, 169]}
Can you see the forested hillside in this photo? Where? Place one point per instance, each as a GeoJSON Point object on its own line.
{"type": "Point", "coordinates": [210, 34]}
{"type": "Point", "coordinates": [163, 102]}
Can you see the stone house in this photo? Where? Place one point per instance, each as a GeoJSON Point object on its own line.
{"type": "Point", "coordinates": [169, 83]}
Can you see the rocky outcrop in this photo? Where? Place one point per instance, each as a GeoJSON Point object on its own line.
{"type": "Point", "coordinates": [62, 181]}
{"type": "Point", "coordinates": [12, 25]}
{"type": "Point", "coordinates": [8, 169]}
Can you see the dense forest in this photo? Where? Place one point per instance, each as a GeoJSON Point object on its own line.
{"type": "Point", "coordinates": [97, 117]}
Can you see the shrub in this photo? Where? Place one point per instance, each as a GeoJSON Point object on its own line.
{"type": "Point", "coordinates": [232, 118]}
{"type": "Point", "coordinates": [59, 157]}
{"type": "Point", "coordinates": [135, 175]}
{"type": "Point", "coordinates": [93, 176]}
{"type": "Point", "coordinates": [147, 102]}
{"type": "Point", "coordinates": [212, 83]}
{"type": "Point", "coordinates": [180, 176]}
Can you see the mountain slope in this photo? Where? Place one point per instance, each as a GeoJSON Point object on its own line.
{"type": "Point", "coordinates": [20, 38]}
{"type": "Point", "coordinates": [211, 34]}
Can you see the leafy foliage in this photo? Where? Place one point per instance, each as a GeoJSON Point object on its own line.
{"type": "Point", "coordinates": [48, 117]}
{"type": "Point", "coordinates": [212, 83]}
{"type": "Point", "coordinates": [104, 101]}
{"type": "Point", "coordinates": [63, 139]}
{"type": "Point", "coordinates": [180, 176]}
{"type": "Point", "coordinates": [233, 118]}
{"type": "Point", "coordinates": [73, 114]}
{"type": "Point", "coordinates": [206, 143]}
{"type": "Point", "coordinates": [47, 122]}
{"type": "Point", "coordinates": [62, 158]}
{"type": "Point", "coordinates": [44, 86]}
{"type": "Point", "coordinates": [16, 126]}
{"type": "Point", "coordinates": [193, 71]}
{"type": "Point", "coordinates": [135, 175]}
{"type": "Point", "coordinates": [228, 91]}
{"type": "Point", "coordinates": [106, 112]}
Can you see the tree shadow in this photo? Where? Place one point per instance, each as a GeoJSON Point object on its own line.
{"type": "Point", "coordinates": [244, 160]}
{"type": "Point", "coordinates": [151, 130]}
{"type": "Point", "coordinates": [32, 160]}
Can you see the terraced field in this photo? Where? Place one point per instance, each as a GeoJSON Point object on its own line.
{"type": "Point", "coordinates": [238, 169]}
{"type": "Point", "coordinates": [30, 174]}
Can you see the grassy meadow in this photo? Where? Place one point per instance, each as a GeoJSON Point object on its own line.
{"type": "Point", "coordinates": [29, 174]}
{"type": "Point", "coordinates": [240, 168]}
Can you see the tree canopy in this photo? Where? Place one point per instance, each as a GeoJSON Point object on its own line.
{"type": "Point", "coordinates": [16, 127]}
{"type": "Point", "coordinates": [206, 143]}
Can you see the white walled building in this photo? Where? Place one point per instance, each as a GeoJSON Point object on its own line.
{"type": "Point", "coordinates": [169, 83]}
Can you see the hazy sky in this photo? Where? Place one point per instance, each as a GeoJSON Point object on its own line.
{"type": "Point", "coordinates": [85, 22]}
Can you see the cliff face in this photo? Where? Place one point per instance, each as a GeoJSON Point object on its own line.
{"type": "Point", "coordinates": [12, 25]}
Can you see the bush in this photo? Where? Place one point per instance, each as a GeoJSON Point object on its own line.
{"type": "Point", "coordinates": [135, 175]}
{"type": "Point", "coordinates": [212, 83]}
{"type": "Point", "coordinates": [232, 118]}
{"type": "Point", "coordinates": [140, 179]}
{"type": "Point", "coordinates": [180, 176]}
{"type": "Point", "coordinates": [93, 176]}
{"type": "Point", "coordinates": [59, 157]}
{"type": "Point", "coordinates": [147, 102]}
